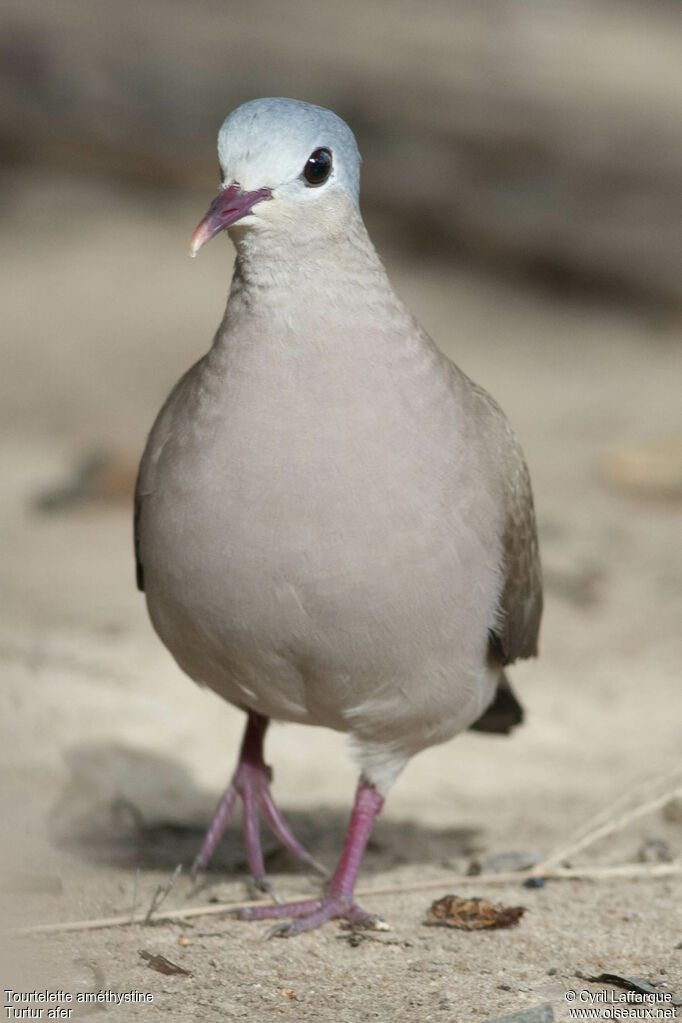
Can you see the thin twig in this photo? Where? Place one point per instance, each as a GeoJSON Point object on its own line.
{"type": "Point", "coordinates": [547, 870]}
{"type": "Point", "coordinates": [636, 797]}
{"type": "Point", "coordinates": [136, 885]}
{"type": "Point", "coordinates": [162, 893]}
{"type": "Point", "coordinates": [626, 870]}
{"type": "Point", "coordinates": [595, 833]}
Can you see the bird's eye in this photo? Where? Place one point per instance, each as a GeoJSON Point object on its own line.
{"type": "Point", "coordinates": [318, 167]}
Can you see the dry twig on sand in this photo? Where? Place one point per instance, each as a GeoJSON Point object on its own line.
{"type": "Point", "coordinates": [626, 870]}
{"type": "Point", "coordinates": [616, 818]}
{"type": "Point", "coordinates": [605, 824]}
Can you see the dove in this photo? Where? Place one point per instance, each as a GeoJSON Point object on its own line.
{"type": "Point", "coordinates": [334, 525]}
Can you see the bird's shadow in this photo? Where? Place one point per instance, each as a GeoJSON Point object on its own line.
{"type": "Point", "coordinates": [132, 809]}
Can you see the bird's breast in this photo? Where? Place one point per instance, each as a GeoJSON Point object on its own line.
{"type": "Point", "coordinates": [307, 539]}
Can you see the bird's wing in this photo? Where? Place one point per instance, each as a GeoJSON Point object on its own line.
{"type": "Point", "coordinates": [139, 569]}
{"type": "Point", "coordinates": [520, 610]}
{"type": "Point", "coordinates": [144, 486]}
{"type": "Point", "coordinates": [520, 607]}
{"type": "Point", "coordinates": [515, 634]}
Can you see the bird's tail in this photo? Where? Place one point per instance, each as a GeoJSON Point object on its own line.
{"type": "Point", "coordinates": [503, 714]}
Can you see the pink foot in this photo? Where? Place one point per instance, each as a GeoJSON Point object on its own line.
{"type": "Point", "coordinates": [311, 914]}
{"type": "Point", "coordinates": [338, 900]}
{"type": "Point", "coordinates": [251, 783]}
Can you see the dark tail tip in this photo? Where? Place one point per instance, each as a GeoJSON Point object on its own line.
{"type": "Point", "coordinates": [503, 714]}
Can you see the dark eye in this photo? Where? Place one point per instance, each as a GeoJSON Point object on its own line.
{"type": "Point", "coordinates": [318, 167]}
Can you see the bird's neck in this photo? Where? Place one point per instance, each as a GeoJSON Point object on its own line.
{"type": "Point", "coordinates": [296, 281]}
{"type": "Point", "coordinates": [319, 325]}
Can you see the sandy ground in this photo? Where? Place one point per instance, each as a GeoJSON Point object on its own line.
{"type": "Point", "coordinates": [113, 760]}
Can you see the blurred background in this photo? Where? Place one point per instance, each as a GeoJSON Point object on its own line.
{"type": "Point", "coordinates": [522, 179]}
{"type": "Point", "coordinates": [537, 144]}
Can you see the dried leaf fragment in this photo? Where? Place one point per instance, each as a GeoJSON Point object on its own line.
{"type": "Point", "coordinates": [635, 984]}
{"type": "Point", "coordinates": [161, 964]}
{"type": "Point", "coordinates": [472, 914]}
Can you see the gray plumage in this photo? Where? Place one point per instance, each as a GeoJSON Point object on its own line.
{"type": "Point", "coordinates": [334, 524]}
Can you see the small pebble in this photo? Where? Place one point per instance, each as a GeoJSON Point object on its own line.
{"type": "Point", "coordinates": [672, 811]}
{"type": "Point", "coordinates": [503, 862]}
{"type": "Point", "coordinates": [655, 850]}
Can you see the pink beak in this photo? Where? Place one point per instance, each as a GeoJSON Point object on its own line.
{"type": "Point", "coordinates": [229, 206]}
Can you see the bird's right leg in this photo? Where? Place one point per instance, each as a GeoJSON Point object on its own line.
{"type": "Point", "coordinates": [251, 783]}
{"type": "Point", "coordinates": [338, 899]}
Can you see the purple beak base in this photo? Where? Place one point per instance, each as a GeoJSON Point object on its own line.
{"type": "Point", "coordinates": [229, 206]}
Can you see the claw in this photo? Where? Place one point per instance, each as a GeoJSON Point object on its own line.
{"type": "Point", "coordinates": [263, 885]}
{"type": "Point", "coordinates": [279, 931]}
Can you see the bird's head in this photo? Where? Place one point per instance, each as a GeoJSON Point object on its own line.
{"type": "Point", "coordinates": [280, 157]}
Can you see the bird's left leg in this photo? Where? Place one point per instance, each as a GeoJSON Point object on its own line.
{"type": "Point", "coordinates": [337, 900]}
{"type": "Point", "coordinates": [251, 784]}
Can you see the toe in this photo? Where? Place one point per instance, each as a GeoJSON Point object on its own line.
{"type": "Point", "coordinates": [307, 915]}
{"type": "Point", "coordinates": [283, 930]}
{"type": "Point", "coordinates": [263, 885]}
